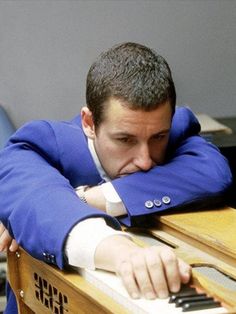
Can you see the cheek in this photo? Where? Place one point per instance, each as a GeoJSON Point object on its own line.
{"type": "Point", "coordinates": [112, 155]}
{"type": "Point", "coordinates": [159, 151]}
{"type": "Point", "coordinates": [120, 157]}
{"type": "Point", "coordinates": [115, 150]}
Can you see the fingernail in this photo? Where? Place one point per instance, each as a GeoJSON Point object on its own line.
{"type": "Point", "coordinates": [163, 294]}
{"type": "Point", "coordinates": [175, 288]}
{"type": "Point", "coordinates": [186, 275]}
{"type": "Point", "coordinates": [150, 296]}
{"type": "Point", "coordinates": [135, 295]}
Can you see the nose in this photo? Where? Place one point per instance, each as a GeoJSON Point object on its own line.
{"type": "Point", "coordinates": [143, 159]}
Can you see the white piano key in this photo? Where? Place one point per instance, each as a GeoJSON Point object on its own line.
{"type": "Point", "coordinates": [111, 285]}
{"type": "Point", "coordinates": [218, 310]}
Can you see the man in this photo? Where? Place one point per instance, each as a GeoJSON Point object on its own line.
{"type": "Point", "coordinates": [129, 155]}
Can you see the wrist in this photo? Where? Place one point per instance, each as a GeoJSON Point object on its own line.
{"type": "Point", "coordinates": [80, 191]}
{"type": "Point", "coordinates": [112, 251]}
{"type": "Point", "coordinates": [95, 198]}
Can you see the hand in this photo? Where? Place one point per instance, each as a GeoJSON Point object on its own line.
{"type": "Point", "coordinates": [6, 241]}
{"type": "Point", "coordinates": [149, 272]}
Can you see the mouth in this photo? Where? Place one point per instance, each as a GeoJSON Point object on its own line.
{"type": "Point", "coordinates": [125, 174]}
{"type": "Point", "coordinates": [122, 175]}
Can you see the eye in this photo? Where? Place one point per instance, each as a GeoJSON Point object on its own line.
{"type": "Point", "coordinates": [126, 140]}
{"type": "Point", "coordinates": [159, 137]}
{"type": "Point", "coordinates": [123, 139]}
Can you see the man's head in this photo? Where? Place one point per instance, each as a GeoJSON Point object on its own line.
{"type": "Point", "coordinates": [132, 73]}
{"type": "Point", "coordinates": [130, 104]}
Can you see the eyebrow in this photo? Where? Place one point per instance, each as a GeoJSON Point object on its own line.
{"type": "Point", "coordinates": [162, 132]}
{"type": "Point", "coordinates": [132, 135]}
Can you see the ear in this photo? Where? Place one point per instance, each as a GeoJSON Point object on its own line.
{"type": "Point", "coordinates": [87, 122]}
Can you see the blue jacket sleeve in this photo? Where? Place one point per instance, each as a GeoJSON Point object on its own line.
{"type": "Point", "coordinates": [38, 204]}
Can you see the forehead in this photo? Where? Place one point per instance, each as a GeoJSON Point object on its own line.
{"type": "Point", "coordinates": [119, 116]}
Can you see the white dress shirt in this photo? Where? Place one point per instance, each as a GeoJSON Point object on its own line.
{"type": "Point", "coordinates": [84, 238]}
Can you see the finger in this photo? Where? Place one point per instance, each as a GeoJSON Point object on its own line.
{"type": "Point", "coordinates": [2, 228]}
{"type": "Point", "coordinates": [141, 274]}
{"type": "Point", "coordinates": [156, 272]}
{"type": "Point", "coordinates": [14, 246]}
{"type": "Point", "coordinates": [5, 240]}
{"type": "Point", "coordinates": [125, 271]}
{"type": "Point", "coordinates": [171, 267]}
{"type": "Point", "coordinates": [3, 248]}
{"type": "Point", "coordinates": [185, 271]}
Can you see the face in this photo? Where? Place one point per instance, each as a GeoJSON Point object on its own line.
{"type": "Point", "coordinates": [129, 140]}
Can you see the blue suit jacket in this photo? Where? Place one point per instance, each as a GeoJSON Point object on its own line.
{"type": "Point", "coordinates": [45, 160]}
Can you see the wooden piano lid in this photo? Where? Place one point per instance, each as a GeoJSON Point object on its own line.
{"type": "Point", "coordinates": [210, 230]}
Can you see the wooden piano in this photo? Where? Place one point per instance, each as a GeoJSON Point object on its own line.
{"type": "Point", "coordinates": [205, 239]}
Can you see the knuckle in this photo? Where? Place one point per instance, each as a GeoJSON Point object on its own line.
{"type": "Point", "coordinates": [152, 257]}
{"type": "Point", "coordinates": [170, 259]}
{"type": "Point", "coordinates": [138, 267]}
{"type": "Point", "coordinates": [168, 256]}
{"type": "Point", "coordinates": [154, 263]}
{"type": "Point", "coordinates": [124, 269]}
{"type": "Point", "coordinates": [138, 262]}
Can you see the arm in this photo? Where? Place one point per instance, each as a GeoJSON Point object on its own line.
{"type": "Point", "coordinates": [35, 192]}
{"type": "Point", "coordinates": [195, 172]}
{"type": "Point", "coordinates": [148, 272]}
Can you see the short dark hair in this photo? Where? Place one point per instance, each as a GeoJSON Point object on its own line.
{"type": "Point", "coordinates": [132, 73]}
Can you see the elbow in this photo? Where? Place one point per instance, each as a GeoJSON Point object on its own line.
{"type": "Point", "coordinates": [222, 176]}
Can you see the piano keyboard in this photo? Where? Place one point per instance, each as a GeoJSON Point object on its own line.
{"type": "Point", "coordinates": [111, 285]}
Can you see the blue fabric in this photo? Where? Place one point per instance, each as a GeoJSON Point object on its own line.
{"type": "Point", "coordinates": [6, 128]}
{"type": "Point", "coordinates": [11, 307]}
{"type": "Point", "coordinates": [45, 160]}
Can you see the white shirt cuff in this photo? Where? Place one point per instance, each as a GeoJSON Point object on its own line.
{"type": "Point", "coordinates": [83, 240]}
{"type": "Point", "coordinates": [114, 205]}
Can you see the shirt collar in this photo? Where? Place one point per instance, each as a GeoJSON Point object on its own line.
{"type": "Point", "coordinates": [97, 161]}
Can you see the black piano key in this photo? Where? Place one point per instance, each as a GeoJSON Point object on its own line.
{"type": "Point", "coordinates": [173, 298]}
{"type": "Point", "coordinates": [179, 302]}
{"type": "Point", "coordinates": [184, 291]}
{"type": "Point", "coordinates": [184, 288]}
{"type": "Point", "coordinates": [200, 305]}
